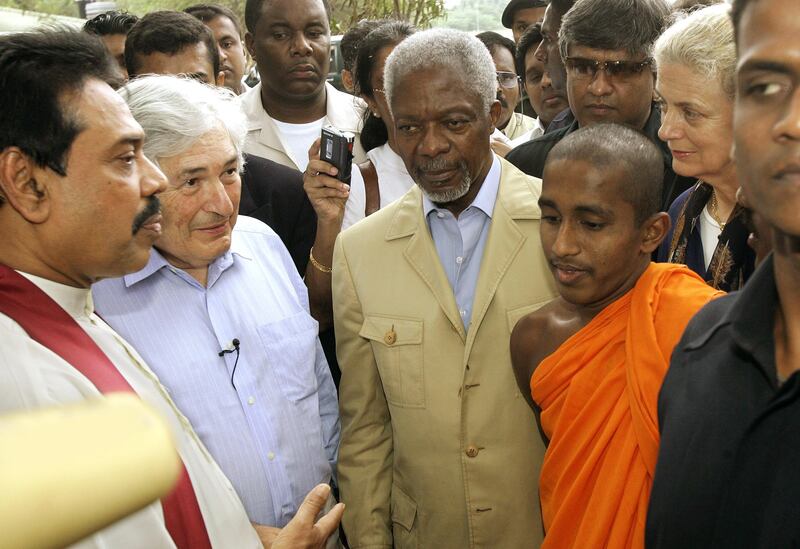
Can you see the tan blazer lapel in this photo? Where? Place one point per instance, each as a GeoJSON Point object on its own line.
{"type": "Point", "coordinates": [260, 127]}
{"type": "Point", "coordinates": [515, 200]}
{"type": "Point", "coordinates": [422, 256]}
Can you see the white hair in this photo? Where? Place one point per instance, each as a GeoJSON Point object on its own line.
{"type": "Point", "coordinates": [702, 41]}
{"type": "Point", "coordinates": [175, 112]}
{"type": "Point", "coordinates": [444, 48]}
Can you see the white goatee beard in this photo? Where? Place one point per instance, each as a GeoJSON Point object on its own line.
{"type": "Point", "coordinates": [450, 195]}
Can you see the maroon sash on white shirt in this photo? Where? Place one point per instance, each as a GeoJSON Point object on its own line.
{"type": "Point", "coordinates": [50, 325]}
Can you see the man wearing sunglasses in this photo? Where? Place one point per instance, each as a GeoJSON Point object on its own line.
{"type": "Point", "coordinates": [610, 78]}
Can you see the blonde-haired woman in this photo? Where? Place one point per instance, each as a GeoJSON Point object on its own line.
{"type": "Point", "coordinates": [696, 60]}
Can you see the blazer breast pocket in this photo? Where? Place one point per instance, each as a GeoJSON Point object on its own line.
{"type": "Point", "coordinates": [397, 348]}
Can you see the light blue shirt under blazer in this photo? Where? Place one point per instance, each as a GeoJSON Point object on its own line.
{"type": "Point", "coordinates": [277, 433]}
{"type": "Point", "coordinates": [460, 242]}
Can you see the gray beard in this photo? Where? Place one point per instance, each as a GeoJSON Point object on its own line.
{"type": "Point", "coordinates": [450, 195]}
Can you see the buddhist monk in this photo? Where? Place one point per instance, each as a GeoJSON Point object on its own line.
{"type": "Point", "coordinates": [591, 362]}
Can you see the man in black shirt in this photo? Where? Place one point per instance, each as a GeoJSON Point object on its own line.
{"type": "Point", "coordinates": [605, 46]}
{"type": "Point", "coordinates": [729, 410]}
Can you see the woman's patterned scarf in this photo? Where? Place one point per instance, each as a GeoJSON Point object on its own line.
{"type": "Point", "coordinates": [733, 260]}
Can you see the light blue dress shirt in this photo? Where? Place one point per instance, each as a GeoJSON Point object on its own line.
{"type": "Point", "coordinates": [277, 433]}
{"type": "Point", "coordinates": [460, 242]}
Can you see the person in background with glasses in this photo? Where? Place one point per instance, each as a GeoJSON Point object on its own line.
{"type": "Point", "coordinates": [510, 125]}
{"type": "Point", "coordinates": [605, 45]}
{"type": "Point", "coordinates": [544, 98]}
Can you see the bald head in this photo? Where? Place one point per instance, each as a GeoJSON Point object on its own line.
{"type": "Point", "coordinates": [613, 146]}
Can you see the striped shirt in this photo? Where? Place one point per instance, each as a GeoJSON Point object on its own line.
{"type": "Point", "coordinates": [272, 423]}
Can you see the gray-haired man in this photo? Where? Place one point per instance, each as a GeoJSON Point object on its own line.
{"type": "Point", "coordinates": [219, 312]}
{"type": "Point", "coordinates": [605, 46]}
{"type": "Point", "coordinates": [438, 450]}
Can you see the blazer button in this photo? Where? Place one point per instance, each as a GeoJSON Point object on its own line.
{"type": "Point", "coordinates": [472, 451]}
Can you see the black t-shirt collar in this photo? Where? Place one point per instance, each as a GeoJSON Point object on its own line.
{"type": "Point", "coordinates": [751, 319]}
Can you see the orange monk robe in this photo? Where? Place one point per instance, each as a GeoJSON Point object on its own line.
{"type": "Point", "coordinates": [598, 396]}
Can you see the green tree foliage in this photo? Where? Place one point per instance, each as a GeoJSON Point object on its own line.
{"type": "Point", "coordinates": [53, 7]}
{"type": "Point", "coordinates": [474, 15]}
{"type": "Point", "coordinates": [419, 12]}
{"type": "Point", "coordinates": [141, 7]}
{"type": "Point", "coordinates": [345, 12]}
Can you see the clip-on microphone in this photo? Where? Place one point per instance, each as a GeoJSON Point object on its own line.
{"type": "Point", "coordinates": [223, 352]}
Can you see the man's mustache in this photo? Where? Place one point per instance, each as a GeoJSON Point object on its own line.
{"type": "Point", "coordinates": [502, 99]}
{"type": "Point", "coordinates": [436, 165]}
{"type": "Point", "coordinates": [152, 208]}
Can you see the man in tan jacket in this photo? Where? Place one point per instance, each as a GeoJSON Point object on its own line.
{"type": "Point", "coordinates": [438, 449]}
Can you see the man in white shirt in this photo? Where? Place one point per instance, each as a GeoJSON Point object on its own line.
{"type": "Point", "coordinates": [78, 198]}
{"type": "Point", "coordinates": [290, 41]}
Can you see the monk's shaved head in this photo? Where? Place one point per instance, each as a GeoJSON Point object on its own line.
{"type": "Point", "coordinates": [613, 146]}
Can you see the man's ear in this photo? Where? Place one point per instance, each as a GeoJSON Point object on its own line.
{"type": "Point", "coordinates": [655, 81]}
{"type": "Point", "coordinates": [21, 185]}
{"type": "Point", "coordinates": [347, 80]}
{"type": "Point", "coordinates": [494, 113]}
{"type": "Point", "coordinates": [655, 229]}
{"type": "Point", "coordinates": [249, 44]}
{"type": "Point", "coordinates": [742, 198]}
{"type": "Point", "coordinates": [372, 105]}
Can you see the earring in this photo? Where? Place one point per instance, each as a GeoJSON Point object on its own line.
{"type": "Point", "coordinates": [375, 114]}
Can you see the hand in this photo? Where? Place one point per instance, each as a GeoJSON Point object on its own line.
{"type": "Point", "coordinates": [267, 534]}
{"type": "Point", "coordinates": [500, 147]}
{"type": "Point", "coordinates": [302, 532]}
{"type": "Point", "coordinates": [327, 194]}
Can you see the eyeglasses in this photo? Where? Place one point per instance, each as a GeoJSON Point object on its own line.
{"type": "Point", "coordinates": [586, 69]}
{"type": "Point", "coordinates": [507, 80]}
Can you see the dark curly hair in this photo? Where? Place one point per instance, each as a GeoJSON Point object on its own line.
{"type": "Point", "coordinates": [110, 22]}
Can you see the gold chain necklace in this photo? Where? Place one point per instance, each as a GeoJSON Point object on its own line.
{"type": "Point", "coordinates": [714, 211]}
